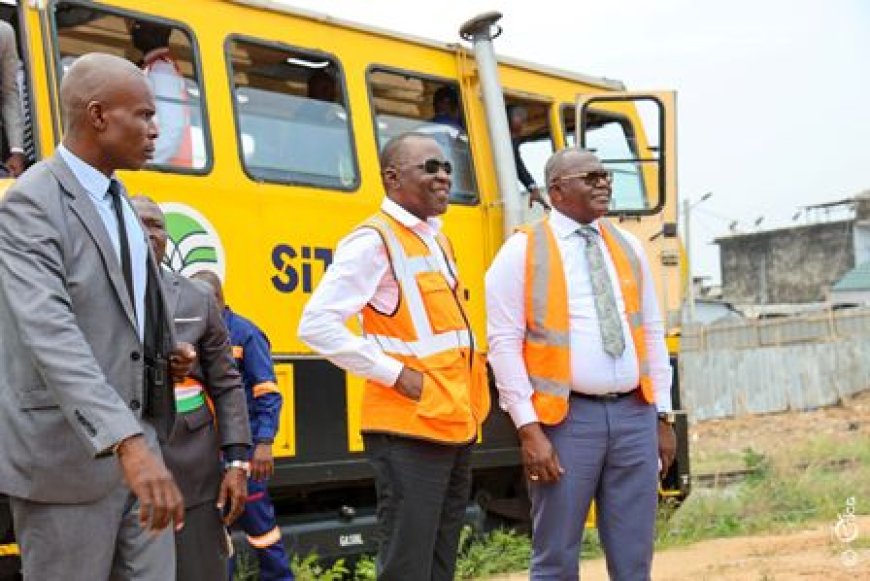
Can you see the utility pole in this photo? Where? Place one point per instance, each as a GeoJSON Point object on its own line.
{"type": "Point", "coordinates": [687, 224]}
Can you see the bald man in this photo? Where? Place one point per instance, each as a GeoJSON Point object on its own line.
{"type": "Point", "coordinates": [86, 347]}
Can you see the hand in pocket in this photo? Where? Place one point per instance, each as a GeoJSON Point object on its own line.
{"type": "Point", "coordinates": [410, 383]}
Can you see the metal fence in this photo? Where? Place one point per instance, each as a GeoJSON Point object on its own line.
{"type": "Point", "coordinates": [759, 366]}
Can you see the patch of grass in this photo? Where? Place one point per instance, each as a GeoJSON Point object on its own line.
{"type": "Point", "coordinates": [789, 489]}
{"type": "Point", "coordinates": [499, 551]}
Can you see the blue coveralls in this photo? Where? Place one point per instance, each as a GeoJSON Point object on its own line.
{"type": "Point", "coordinates": [251, 351]}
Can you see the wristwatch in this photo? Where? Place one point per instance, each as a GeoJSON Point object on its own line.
{"type": "Point", "coordinates": [668, 418]}
{"type": "Point", "coordinates": [243, 464]}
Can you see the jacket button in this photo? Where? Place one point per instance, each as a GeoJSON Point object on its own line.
{"type": "Point", "coordinates": [135, 405]}
{"type": "Point", "coordinates": [135, 356]}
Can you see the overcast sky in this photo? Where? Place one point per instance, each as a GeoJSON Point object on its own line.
{"type": "Point", "coordinates": [773, 95]}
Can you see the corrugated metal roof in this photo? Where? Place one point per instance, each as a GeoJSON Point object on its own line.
{"type": "Point", "coordinates": [856, 279]}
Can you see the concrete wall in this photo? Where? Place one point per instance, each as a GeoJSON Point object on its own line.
{"type": "Point", "coordinates": [795, 363]}
{"type": "Point", "coordinates": [791, 265]}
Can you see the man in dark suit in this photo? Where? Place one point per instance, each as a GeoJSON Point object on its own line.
{"type": "Point", "coordinates": [85, 346]}
{"type": "Point", "coordinates": [193, 452]}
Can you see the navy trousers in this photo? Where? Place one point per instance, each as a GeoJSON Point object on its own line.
{"type": "Point", "coordinates": [609, 450]}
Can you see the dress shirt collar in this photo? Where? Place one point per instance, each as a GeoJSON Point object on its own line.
{"type": "Point", "coordinates": [92, 180]}
{"type": "Point", "coordinates": [563, 226]}
{"type": "Point", "coordinates": [406, 218]}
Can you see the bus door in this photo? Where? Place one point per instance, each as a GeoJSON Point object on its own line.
{"type": "Point", "coordinates": [634, 136]}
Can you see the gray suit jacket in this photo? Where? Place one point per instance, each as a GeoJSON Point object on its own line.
{"type": "Point", "coordinates": [192, 452]}
{"type": "Point", "coordinates": [72, 368]}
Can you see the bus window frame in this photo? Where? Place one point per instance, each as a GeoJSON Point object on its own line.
{"type": "Point", "coordinates": [197, 63]}
{"type": "Point", "coordinates": [306, 52]}
{"type": "Point", "coordinates": [620, 118]}
{"type": "Point", "coordinates": [23, 39]}
{"type": "Point", "coordinates": [661, 162]}
{"type": "Point", "coordinates": [375, 68]}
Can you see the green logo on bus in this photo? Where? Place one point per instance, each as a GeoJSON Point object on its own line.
{"type": "Point", "coordinates": [193, 243]}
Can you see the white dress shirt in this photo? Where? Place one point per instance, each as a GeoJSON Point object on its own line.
{"type": "Point", "coordinates": [592, 370]}
{"type": "Point", "coordinates": [96, 184]}
{"type": "Point", "coordinates": [360, 274]}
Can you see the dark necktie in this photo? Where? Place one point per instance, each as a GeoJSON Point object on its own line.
{"type": "Point", "coordinates": [123, 242]}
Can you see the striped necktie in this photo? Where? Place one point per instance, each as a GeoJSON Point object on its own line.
{"type": "Point", "coordinates": [609, 323]}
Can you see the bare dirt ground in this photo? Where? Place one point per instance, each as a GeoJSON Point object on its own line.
{"type": "Point", "coordinates": [803, 556]}
{"type": "Point", "coordinates": [719, 444]}
{"type": "Point", "coordinates": [814, 552]}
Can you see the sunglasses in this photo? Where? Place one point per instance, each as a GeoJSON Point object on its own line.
{"type": "Point", "coordinates": [590, 178]}
{"type": "Point", "coordinates": [431, 166]}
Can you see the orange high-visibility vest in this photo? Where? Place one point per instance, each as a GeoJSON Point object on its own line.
{"type": "Point", "coordinates": [429, 332]}
{"type": "Point", "coordinates": [547, 348]}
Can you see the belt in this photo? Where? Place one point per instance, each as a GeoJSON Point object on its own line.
{"type": "Point", "coordinates": [613, 396]}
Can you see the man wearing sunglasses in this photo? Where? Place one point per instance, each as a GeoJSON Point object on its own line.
{"type": "Point", "coordinates": [426, 393]}
{"type": "Point", "coordinates": [577, 347]}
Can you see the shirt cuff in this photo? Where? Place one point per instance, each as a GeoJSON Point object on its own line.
{"type": "Point", "coordinates": [16, 150]}
{"type": "Point", "coordinates": [522, 413]}
{"type": "Point", "coordinates": [386, 370]}
{"type": "Point", "coordinates": [235, 452]}
{"type": "Point", "coordinates": [663, 402]}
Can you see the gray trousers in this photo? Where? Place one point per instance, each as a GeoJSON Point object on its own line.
{"type": "Point", "coordinates": [609, 451]}
{"type": "Point", "coordinates": [423, 490]}
{"type": "Point", "coordinates": [202, 545]}
{"type": "Point", "coordinates": [90, 542]}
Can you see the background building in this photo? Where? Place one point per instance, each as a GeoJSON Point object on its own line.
{"type": "Point", "coordinates": [827, 260]}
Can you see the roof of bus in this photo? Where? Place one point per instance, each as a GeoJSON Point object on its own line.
{"type": "Point", "coordinates": [275, 6]}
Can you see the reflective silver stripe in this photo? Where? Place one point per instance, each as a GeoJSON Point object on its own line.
{"type": "Point", "coordinates": [635, 319]}
{"type": "Point", "coordinates": [431, 345]}
{"type": "Point", "coordinates": [550, 338]}
{"type": "Point", "coordinates": [644, 368]}
{"type": "Point", "coordinates": [549, 386]}
{"type": "Point", "coordinates": [539, 333]}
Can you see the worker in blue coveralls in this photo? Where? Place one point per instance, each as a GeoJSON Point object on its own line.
{"type": "Point", "coordinates": [252, 354]}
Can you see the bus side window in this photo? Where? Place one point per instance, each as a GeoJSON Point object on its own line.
{"type": "Point", "coordinates": [16, 123]}
{"type": "Point", "coordinates": [612, 137]}
{"type": "Point", "coordinates": [165, 53]}
{"type": "Point", "coordinates": [292, 116]}
{"type": "Point", "coordinates": [404, 103]}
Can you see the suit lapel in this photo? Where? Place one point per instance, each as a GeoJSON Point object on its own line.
{"type": "Point", "coordinates": [83, 207]}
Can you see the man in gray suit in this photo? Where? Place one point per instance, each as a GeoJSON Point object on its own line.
{"type": "Point", "coordinates": [85, 345]}
{"type": "Point", "coordinates": [193, 450]}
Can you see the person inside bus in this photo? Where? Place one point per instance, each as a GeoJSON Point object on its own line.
{"type": "Point", "coordinates": [517, 117]}
{"type": "Point", "coordinates": [12, 114]}
{"type": "Point", "coordinates": [445, 104]}
{"type": "Point", "coordinates": [175, 146]}
{"type": "Point", "coordinates": [319, 106]}
{"type": "Point", "coordinates": [323, 146]}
